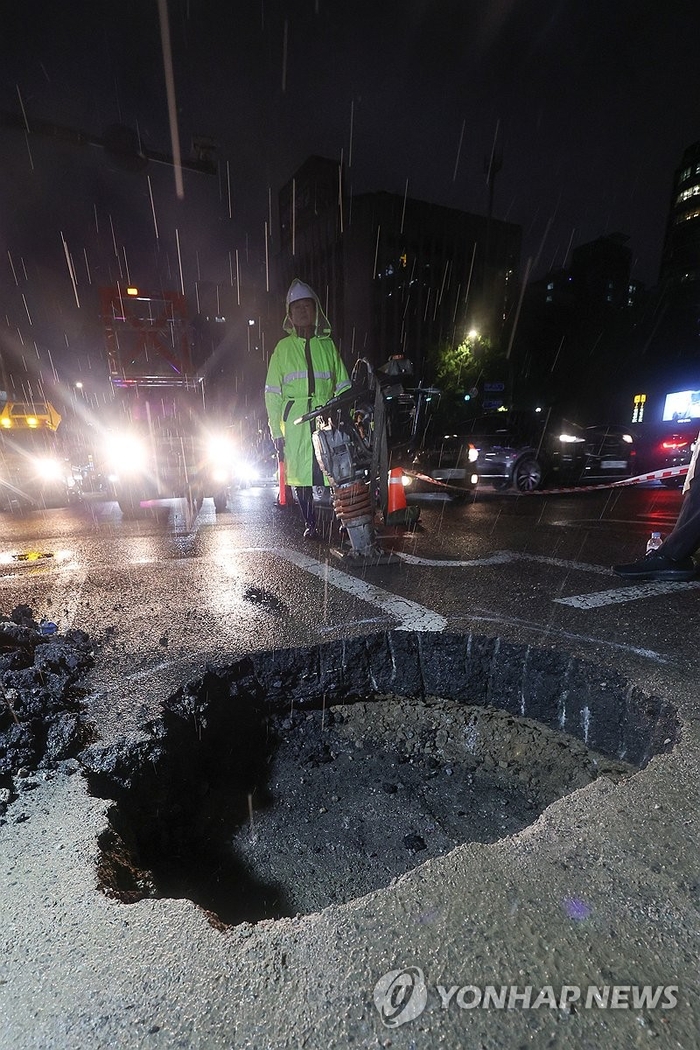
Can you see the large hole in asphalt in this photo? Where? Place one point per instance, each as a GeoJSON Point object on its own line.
{"type": "Point", "coordinates": [300, 778]}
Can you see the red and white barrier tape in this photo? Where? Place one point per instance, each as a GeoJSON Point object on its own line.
{"type": "Point", "coordinates": [653, 475]}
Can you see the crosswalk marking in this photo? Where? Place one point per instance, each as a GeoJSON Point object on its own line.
{"type": "Point", "coordinates": [630, 593]}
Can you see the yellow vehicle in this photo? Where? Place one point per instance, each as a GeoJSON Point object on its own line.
{"type": "Point", "coordinates": [24, 415]}
{"type": "Point", "coordinates": [34, 469]}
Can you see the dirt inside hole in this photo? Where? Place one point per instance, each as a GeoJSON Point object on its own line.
{"type": "Point", "coordinates": [336, 803]}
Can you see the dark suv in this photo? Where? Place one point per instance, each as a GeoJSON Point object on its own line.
{"type": "Point", "coordinates": [528, 450]}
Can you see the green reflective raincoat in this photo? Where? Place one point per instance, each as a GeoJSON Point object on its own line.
{"type": "Point", "coordinates": [287, 392]}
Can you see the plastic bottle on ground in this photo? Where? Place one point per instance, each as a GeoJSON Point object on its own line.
{"type": "Point", "coordinates": [654, 542]}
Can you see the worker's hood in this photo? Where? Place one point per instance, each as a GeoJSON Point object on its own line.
{"type": "Point", "coordinates": [299, 290]}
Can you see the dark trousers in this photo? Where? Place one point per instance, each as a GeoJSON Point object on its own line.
{"type": "Point", "coordinates": [305, 496]}
{"type": "Point", "coordinates": [684, 540]}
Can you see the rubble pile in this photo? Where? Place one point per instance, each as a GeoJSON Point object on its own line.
{"type": "Point", "coordinates": [41, 719]}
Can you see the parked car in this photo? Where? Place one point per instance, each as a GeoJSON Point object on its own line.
{"type": "Point", "coordinates": [448, 458]}
{"type": "Point", "coordinates": [529, 450]}
{"type": "Point", "coordinates": [661, 448]}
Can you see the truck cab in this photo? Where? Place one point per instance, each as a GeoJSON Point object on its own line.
{"type": "Point", "coordinates": [35, 470]}
{"type": "Point", "coordinates": [161, 441]}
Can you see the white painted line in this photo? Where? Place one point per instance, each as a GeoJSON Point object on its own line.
{"type": "Point", "coordinates": [500, 558]}
{"type": "Point", "coordinates": [69, 603]}
{"type": "Point", "coordinates": [549, 630]}
{"type": "Point", "coordinates": [626, 594]}
{"type": "Point", "coordinates": [563, 563]}
{"type": "Point", "coordinates": [411, 616]}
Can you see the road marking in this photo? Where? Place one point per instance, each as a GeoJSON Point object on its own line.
{"type": "Point", "coordinates": [626, 594]}
{"type": "Point", "coordinates": [69, 602]}
{"type": "Point", "coordinates": [501, 558]}
{"type": "Point", "coordinates": [411, 616]}
{"type": "Point", "coordinates": [649, 654]}
{"type": "Point", "coordinates": [562, 563]}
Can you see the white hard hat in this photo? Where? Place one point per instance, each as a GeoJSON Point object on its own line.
{"type": "Point", "coordinates": [299, 290]}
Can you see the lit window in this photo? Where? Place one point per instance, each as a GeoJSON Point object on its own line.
{"type": "Point", "coordinates": [692, 191]}
{"type": "Point", "coordinates": [688, 215]}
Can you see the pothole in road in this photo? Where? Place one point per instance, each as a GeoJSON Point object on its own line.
{"type": "Point", "coordinates": [302, 778]}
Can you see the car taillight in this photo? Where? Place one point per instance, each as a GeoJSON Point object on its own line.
{"type": "Point", "coordinates": [673, 446]}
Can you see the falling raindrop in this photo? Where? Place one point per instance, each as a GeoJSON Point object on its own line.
{"type": "Point", "coordinates": [71, 271]}
{"type": "Point", "coordinates": [267, 261]}
{"type": "Point", "coordinates": [284, 55]}
{"type": "Point", "coordinates": [294, 215]}
{"type": "Point", "coordinates": [179, 260]}
{"type": "Point", "coordinates": [459, 150]}
{"type": "Point", "coordinates": [12, 266]}
{"type": "Point", "coordinates": [153, 207]}
{"type": "Point", "coordinates": [170, 88]}
{"type": "Point", "coordinates": [352, 126]}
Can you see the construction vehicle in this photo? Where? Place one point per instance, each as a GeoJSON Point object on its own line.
{"type": "Point", "coordinates": [35, 470]}
{"type": "Point", "coordinates": [160, 441]}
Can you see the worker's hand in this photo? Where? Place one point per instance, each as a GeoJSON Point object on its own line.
{"type": "Point", "coordinates": [279, 447]}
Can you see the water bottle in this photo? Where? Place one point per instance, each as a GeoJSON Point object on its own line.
{"type": "Point", "coordinates": [654, 542]}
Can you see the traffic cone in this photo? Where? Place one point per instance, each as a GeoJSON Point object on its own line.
{"type": "Point", "coordinates": [398, 512]}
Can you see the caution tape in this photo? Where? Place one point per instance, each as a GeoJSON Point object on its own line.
{"type": "Point", "coordinates": [432, 481]}
{"type": "Point", "coordinates": [653, 475]}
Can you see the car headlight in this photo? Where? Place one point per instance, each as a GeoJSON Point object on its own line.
{"type": "Point", "coordinates": [126, 453]}
{"type": "Point", "coordinates": [473, 454]}
{"type": "Point", "coordinates": [247, 472]}
{"type": "Point", "coordinates": [49, 469]}
{"type": "Point", "coordinates": [628, 438]}
{"type": "Point", "coordinates": [220, 450]}
{"type": "Point", "coordinates": [571, 439]}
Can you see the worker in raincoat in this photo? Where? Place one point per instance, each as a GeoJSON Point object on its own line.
{"type": "Point", "coordinates": [305, 372]}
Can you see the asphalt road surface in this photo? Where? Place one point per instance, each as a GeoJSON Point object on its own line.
{"type": "Point", "coordinates": [168, 593]}
{"type": "Point", "coordinates": [600, 890]}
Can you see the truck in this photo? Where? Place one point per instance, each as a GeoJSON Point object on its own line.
{"type": "Point", "coordinates": [35, 468]}
{"type": "Point", "coordinates": [160, 440]}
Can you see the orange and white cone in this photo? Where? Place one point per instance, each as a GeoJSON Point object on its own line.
{"type": "Point", "coordinates": [398, 512]}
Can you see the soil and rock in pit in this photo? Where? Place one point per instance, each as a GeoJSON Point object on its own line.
{"type": "Point", "coordinates": [362, 793]}
{"type": "Point", "coordinates": [336, 802]}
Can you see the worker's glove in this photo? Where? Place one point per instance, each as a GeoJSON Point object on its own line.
{"type": "Point", "coordinates": [279, 447]}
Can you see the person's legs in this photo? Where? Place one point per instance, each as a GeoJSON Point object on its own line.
{"type": "Point", "coordinates": [305, 497]}
{"type": "Point", "coordinates": [684, 539]}
{"type": "Point", "coordinates": [672, 560]}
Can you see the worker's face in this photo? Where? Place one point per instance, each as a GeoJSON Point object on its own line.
{"type": "Point", "coordinates": [302, 313]}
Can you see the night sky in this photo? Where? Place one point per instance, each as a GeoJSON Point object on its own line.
{"type": "Point", "coordinates": [590, 103]}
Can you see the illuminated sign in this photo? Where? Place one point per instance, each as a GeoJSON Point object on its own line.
{"type": "Point", "coordinates": [682, 406]}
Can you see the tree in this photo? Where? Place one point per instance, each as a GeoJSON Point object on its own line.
{"type": "Point", "coordinates": [461, 368]}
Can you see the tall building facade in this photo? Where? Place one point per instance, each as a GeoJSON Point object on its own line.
{"type": "Point", "coordinates": [398, 276]}
{"type": "Point", "coordinates": [680, 260]}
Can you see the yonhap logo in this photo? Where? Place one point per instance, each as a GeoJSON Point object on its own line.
{"type": "Point", "coordinates": [400, 996]}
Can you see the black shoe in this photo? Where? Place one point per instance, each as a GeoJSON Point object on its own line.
{"type": "Point", "coordinates": [658, 567]}
{"type": "Point", "coordinates": [310, 533]}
